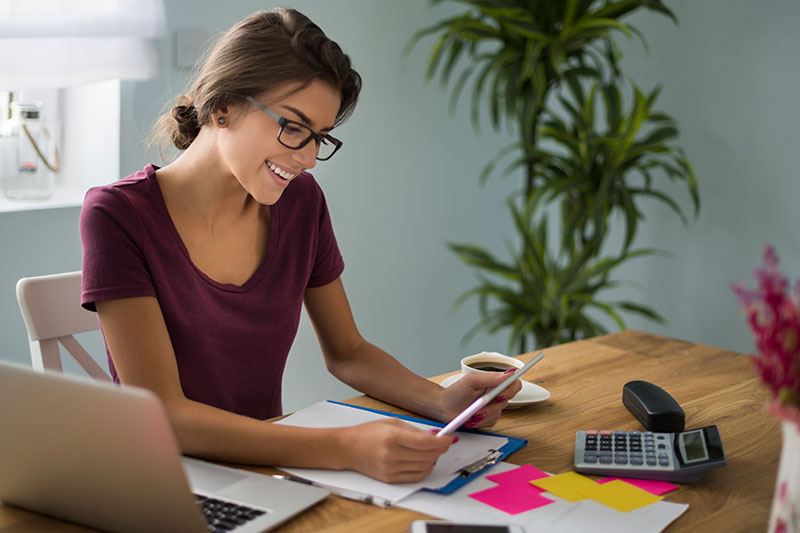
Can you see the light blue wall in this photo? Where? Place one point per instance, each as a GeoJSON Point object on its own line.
{"type": "Point", "coordinates": [406, 180]}
{"type": "Point", "coordinates": [32, 243]}
{"type": "Point", "coordinates": [730, 73]}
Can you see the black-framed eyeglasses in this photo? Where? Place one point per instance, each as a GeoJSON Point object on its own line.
{"type": "Point", "coordinates": [294, 135]}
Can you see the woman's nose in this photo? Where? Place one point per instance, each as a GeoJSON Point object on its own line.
{"type": "Point", "coordinates": [307, 155]}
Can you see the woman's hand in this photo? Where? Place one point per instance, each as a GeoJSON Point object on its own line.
{"type": "Point", "coordinates": [469, 388]}
{"type": "Point", "coordinates": [392, 450]}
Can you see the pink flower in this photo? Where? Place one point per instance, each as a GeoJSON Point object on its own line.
{"type": "Point", "coordinates": [772, 315]}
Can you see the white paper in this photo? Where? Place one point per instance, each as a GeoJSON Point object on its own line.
{"type": "Point", "coordinates": [558, 517]}
{"type": "Point", "coordinates": [470, 448]}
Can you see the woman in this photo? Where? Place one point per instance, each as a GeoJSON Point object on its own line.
{"type": "Point", "coordinates": [198, 270]}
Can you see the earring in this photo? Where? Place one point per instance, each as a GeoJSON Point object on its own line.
{"type": "Point", "coordinates": [222, 121]}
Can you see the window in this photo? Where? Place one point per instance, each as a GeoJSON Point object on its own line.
{"type": "Point", "coordinates": [71, 56]}
{"type": "Point", "coordinates": [6, 97]}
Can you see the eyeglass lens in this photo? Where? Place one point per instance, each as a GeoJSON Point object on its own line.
{"type": "Point", "coordinates": [295, 135]}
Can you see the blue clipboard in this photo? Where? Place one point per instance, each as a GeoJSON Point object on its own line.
{"type": "Point", "coordinates": [469, 472]}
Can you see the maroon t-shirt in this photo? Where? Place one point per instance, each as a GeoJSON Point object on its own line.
{"type": "Point", "coordinates": [230, 342]}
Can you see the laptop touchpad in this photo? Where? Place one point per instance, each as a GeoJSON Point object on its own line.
{"type": "Point", "coordinates": [208, 477]}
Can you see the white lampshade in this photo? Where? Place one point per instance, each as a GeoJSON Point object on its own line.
{"type": "Point", "coordinates": [57, 43]}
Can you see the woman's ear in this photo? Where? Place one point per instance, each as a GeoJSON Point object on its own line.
{"type": "Point", "coordinates": [221, 116]}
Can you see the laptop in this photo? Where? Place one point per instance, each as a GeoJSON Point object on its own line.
{"type": "Point", "coordinates": [105, 456]}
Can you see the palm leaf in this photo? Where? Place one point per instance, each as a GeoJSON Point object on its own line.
{"type": "Point", "coordinates": [592, 158]}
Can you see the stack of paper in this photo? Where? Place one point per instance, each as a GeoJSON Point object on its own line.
{"type": "Point", "coordinates": [503, 494]}
{"type": "Point", "coordinates": [470, 448]}
{"type": "Point", "coordinates": [558, 516]}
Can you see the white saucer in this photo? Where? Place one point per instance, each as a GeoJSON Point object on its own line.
{"type": "Point", "coordinates": [530, 392]}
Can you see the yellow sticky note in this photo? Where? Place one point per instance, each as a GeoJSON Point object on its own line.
{"type": "Point", "coordinates": [569, 486]}
{"type": "Point", "coordinates": [619, 495]}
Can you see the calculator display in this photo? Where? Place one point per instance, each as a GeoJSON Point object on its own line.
{"type": "Point", "coordinates": [693, 446]}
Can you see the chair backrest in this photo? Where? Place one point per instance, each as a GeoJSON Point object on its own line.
{"type": "Point", "coordinates": [51, 309]}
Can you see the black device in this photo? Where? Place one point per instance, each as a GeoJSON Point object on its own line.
{"type": "Point", "coordinates": [440, 526]}
{"type": "Point", "coordinates": [665, 451]}
{"type": "Point", "coordinates": [683, 457]}
{"type": "Point", "coordinates": [653, 407]}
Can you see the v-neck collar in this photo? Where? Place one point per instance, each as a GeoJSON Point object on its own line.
{"type": "Point", "coordinates": [269, 254]}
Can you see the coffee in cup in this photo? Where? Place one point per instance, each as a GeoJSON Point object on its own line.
{"type": "Point", "coordinates": [490, 367]}
{"type": "Point", "coordinates": [489, 362]}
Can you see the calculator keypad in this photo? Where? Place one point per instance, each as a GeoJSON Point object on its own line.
{"type": "Point", "coordinates": [627, 450]}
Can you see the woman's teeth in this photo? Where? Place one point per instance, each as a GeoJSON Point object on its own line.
{"type": "Point", "coordinates": [282, 173]}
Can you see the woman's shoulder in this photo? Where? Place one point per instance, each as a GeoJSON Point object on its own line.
{"type": "Point", "coordinates": [135, 198]}
{"type": "Point", "coordinates": [129, 190]}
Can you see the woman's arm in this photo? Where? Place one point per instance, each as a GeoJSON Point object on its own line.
{"type": "Point", "coordinates": [142, 352]}
{"type": "Point", "coordinates": [372, 371]}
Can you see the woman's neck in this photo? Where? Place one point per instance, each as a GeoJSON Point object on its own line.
{"type": "Point", "coordinates": [198, 186]}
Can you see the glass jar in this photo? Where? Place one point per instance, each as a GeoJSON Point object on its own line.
{"type": "Point", "coordinates": [28, 154]}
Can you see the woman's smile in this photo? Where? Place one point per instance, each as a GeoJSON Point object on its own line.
{"type": "Point", "coordinates": [282, 172]}
{"type": "Point", "coordinates": [280, 176]}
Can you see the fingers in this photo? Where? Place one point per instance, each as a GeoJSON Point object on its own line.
{"type": "Point", "coordinates": [490, 414]}
{"type": "Point", "coordinates": [422, 442]}
{"type": "Point", "coordinates": [475, 420]}
{"type": "Point", "coordinates": [396, 452]}
{"type": "Point", "coordinates": [486, 417]}
{"type": "Point", "coordinates": [487, 381]}
{"type": "Point", "coordinates": [512, 390]}
{"type": "Point", "coordinates": [470, 387]}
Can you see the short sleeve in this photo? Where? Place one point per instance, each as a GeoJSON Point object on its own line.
{"type": "Point", "coordinates": [328, 263]}
{"type": "Point", "coordinates": [114, 264]}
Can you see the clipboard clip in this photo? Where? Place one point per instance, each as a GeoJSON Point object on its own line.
{"type": "Point", "coordinates": [480, 464]}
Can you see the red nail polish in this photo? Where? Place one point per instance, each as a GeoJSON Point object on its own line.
{"type": "Point", "coordinates": [479, 417]}
{"type": "Point", "coordinates": [456, 439]}
{"type": "Point", "coordinates": [510, 370]}
{"type": "Point", "coordinates": [470, 424]}
{"type": "Point", "coordinates": [500, 399]}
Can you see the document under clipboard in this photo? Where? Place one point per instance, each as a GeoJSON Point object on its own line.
{"type": "Point", "coordinates": [470, 471]}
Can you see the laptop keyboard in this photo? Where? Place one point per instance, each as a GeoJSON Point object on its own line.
{"type": "Point", "coordinates": [225, 516]}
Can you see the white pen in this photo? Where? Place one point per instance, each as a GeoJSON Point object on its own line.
{"type": "Point", "coordinates": [481, 402]}
{"type": "Point", "coordinates": [344, 493]}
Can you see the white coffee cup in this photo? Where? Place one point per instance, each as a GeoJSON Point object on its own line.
{"type": "Point", "coordinates": [489, 363]}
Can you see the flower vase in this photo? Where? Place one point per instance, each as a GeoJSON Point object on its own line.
{"type": "Point", "coordinates": [785, 514]}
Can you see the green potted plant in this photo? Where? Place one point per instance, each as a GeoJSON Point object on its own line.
{"type": "Point", "coordinates": [550, 70]}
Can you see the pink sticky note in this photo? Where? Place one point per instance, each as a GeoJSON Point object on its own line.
{"type": "Point", "coordinates": [649, 485]}
{"type": "Point", "coordinates": [512, 498]}
{"type": "Point", "coordinates": [523, 474]}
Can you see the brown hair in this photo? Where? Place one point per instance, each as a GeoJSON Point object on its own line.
{"type": "Point", "coordinates": [264, 51]}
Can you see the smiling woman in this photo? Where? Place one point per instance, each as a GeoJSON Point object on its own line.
{"type": "Point", "coordinates": [199, 270]}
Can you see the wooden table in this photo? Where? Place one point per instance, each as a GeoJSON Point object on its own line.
{"type": "Point", "coordinates": [585, 378]}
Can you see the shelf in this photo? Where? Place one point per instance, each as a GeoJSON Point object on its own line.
{"type": "Point", "coordinates": [62, 197]}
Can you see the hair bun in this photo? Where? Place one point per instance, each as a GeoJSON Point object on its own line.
{"type": "Point", "coordinates": [185, 115]}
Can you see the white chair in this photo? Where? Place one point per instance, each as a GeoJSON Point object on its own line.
{"type": "Point", "coordinates": [51, 308]}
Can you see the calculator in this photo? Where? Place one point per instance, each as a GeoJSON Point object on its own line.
{"type": "Point", "coordinates": [683, 457]}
